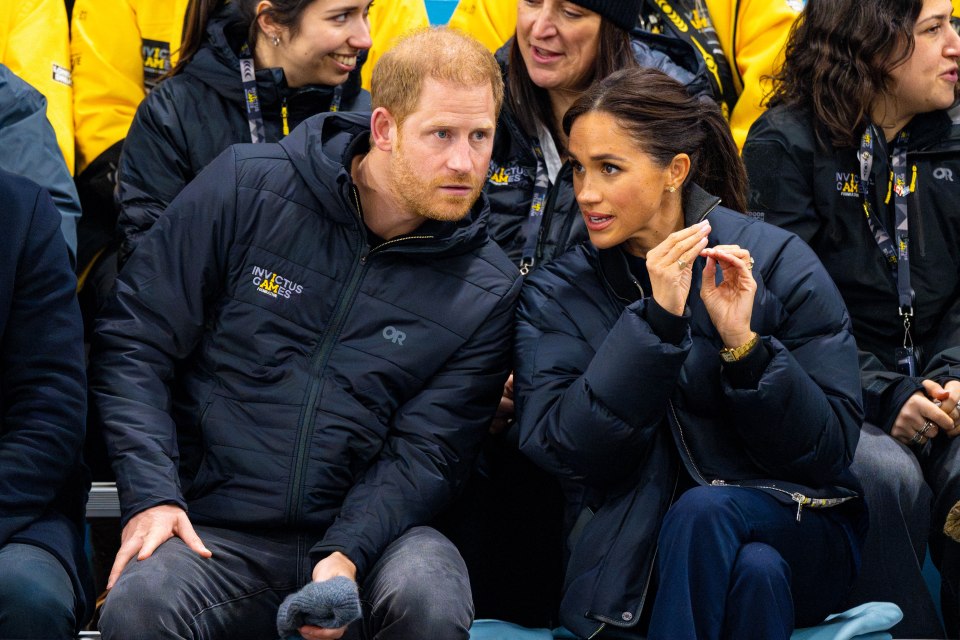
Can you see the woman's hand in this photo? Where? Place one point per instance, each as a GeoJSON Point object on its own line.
{"type": "Point", "coordinates": [927, 413]}
{"type": "Point", "coordinates": [669, 266]}
{"type": "Point", "coordinates": [730, 303]}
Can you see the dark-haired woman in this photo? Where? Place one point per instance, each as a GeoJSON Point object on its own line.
{"type": "Point", "coordinates": [559, 49]}
{"type": "Point", "coordinates": [249, 71]}
{"type": "Point", "coordinates": [701, 419]}
{"type": "Point", "coordinates": [860, 156]}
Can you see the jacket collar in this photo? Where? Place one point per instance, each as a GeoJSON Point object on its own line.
{"type": "Point", "coordinates": [614, 268]}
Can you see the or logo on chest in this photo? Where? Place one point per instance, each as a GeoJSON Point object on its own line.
{"type": "Point", "coordinates": [848, 184]}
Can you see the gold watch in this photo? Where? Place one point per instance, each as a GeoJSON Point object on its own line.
{"type": "Point", "coordinates": [737, 353]}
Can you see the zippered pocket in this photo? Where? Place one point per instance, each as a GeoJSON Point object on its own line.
{"type": "Point", "coordinates": [801, 499]}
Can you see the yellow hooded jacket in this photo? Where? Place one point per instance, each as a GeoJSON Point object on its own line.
{"type": "Point", "coordinates": [121, 47]}
{"type": "Point", "coordinates": [34, 44]}
{"type": "Point", "coordinates": [753, 30]}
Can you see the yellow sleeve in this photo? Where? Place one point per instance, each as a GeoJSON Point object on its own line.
{"type": "Point", "coordinates": [37, 49]}
{"type": "Point", "coordinates": [753, 40]}
{"type": "Point", "coordinates": [956, 8]}
{"type": "Point", "coordinates": [388, 21]}
{"type": "Point", "coordinates": [110, 40]}
{"type": "Point", "coordinates": [492, 22]}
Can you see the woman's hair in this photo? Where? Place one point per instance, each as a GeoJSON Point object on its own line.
{"type": "Point", "coordinates": [838, 61]}
{"type": "Point", "coordinates": [529, 103]}
{"type": "Point", "coordinates": [664, 120]}
{"type": "Point", "coordinates": [286, 13]}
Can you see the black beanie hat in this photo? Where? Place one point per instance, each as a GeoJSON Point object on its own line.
{"type": "Point", "coordinates": [623, 13]}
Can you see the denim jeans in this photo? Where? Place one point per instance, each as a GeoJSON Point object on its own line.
{"type": "Point", "coordinates": [418, 588]}
{"type": "Point", "coordinates": [36, 595]}
{"type": "Point", "coordinates": [735, 563]}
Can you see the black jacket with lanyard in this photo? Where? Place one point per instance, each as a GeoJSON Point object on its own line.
{"type": "Point", "coordinates": [909, 281]}
{"type": "Point", "coordinates": [187, 120]}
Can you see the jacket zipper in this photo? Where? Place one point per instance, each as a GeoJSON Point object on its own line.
{"type": "Point", "coordinates": [322, 357]}
{"type": "Point", "coordinates": [796, 496]}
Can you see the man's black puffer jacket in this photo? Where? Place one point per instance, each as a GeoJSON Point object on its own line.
{"type": "Point", "coordinates": [189, 119]}
{"type": "Point", "coordinates": [321, 385]}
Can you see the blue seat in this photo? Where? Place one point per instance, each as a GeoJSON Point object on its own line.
{"type": "Point", "coordinates": [868, 621]}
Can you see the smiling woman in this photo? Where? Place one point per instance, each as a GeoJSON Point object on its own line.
{"type": "Point", "coordinates": [858, 156]}
{"type": "Point", "coordinates": [249, 71]}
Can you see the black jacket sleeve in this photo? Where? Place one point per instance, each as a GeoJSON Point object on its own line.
{"type": "Point", "coordinates": [42, 377]}
{"type": "Point", "coordinates": [154, 167]}
{"type": "Point", "coordinates": [154, 319]}
{"type": "Point", "coordinates": [579, 412]}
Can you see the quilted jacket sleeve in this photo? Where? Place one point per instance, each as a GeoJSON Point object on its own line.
{"type": "Point", "coordinates": [581, 413]}
{"type": "Point", "coordinates": [42, 380]}
{"type": "Point", "coordinates": [154, 320]}
{"type": "Point", "coordinates": [154, 166]}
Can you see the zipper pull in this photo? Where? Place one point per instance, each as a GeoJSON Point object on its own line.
{"type": "Point", "coordinates": [718, 483]}
{"type": "Point", "coordinates": [283, 116]}
{"type": "Point", "coordinates": [799, 498]}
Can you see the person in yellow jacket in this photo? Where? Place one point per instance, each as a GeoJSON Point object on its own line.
{"type": "Point", "coordinates": [35, 46]}
{"type": "Point", "coordinates": [121, 48]}
{"type": "Point", "coordinates": [751, 34]}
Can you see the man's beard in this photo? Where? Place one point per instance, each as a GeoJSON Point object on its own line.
{"type": "Point", "coordinates": [421, 195]}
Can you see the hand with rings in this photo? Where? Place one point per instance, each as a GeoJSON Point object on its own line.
{"type": "Point", "coordinates": [921, 418]}
{"type": "Point", "coordinates": [668, 265]}
{"type": "Point", "coordinates": [729, 303]}
{"type": "Point", "coordinates": [920, 437]}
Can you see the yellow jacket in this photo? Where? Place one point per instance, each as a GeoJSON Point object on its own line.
{"type": "Point", "coordinates": [120, 48]}
{"type": "Point", "coordinates": [34, 44]}
{"type": "Point", "coordinates": [117, 43]}
{"type": "Point", "coordinates": [388, 21]}
{"type": "Point", "coordinates": [755, 34]}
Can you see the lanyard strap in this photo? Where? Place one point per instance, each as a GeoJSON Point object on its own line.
{"type": "Point", "coordinates": [531, 228]}
{"type": "Point", "coordinates": [252, 98]}
{"type": "Point", "coordinates": [250, 95]}
{"type": "Point", "coordinates": [897, 253]}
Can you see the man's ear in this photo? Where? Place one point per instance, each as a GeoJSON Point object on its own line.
{"type": "Point", "coordinates": [383, 129]}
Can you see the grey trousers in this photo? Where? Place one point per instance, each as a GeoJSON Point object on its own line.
{"type": "Point", "coordinates": [908, 495]}
{"type": "Point", "coordinates": [418, 588]}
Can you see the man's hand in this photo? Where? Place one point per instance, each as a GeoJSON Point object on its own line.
{"type": "Point", "coordinates": [335, 564]}
{"type": "Point", "coordinates": [504, 416]}
{"type": "Point", "coordinates": [935, 405]}
{"type": "Point", "coordinates": [148, 530]}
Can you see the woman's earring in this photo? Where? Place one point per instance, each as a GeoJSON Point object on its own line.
{"type": "Point", "coordinates": [672, 189]}
{"type": "Point", "coordinates": [276, 40]}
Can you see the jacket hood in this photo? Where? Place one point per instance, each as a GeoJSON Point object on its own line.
{"type": "Point", "coordinates": [323, 147]}
{"type": "Point", "coordinates": [217, 64]}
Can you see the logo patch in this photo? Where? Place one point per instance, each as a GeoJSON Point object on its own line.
{"type": "Point", "coordinates": [942, 173]}
{"type": "Point", "coordinates": [156, 61]}
{"type": "Point", "coordinates": [848, 184]}
{"type": "Point", "coordinates": [505, 176]}
{"type": "Point", "coordinates": [394, 335]}
{"type": "Point", "coordinates": [62, 75]}
{"type": "Point", "coordinates": [272, 284]}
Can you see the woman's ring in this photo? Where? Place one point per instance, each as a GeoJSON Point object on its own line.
{"type": "Point", "coordinates": [683, 265]}
{"type": "Point", "coordinates": [926, 427]}
{"type": "Point", "coordinates": [750, 262]}
{"type": "Point", "coordinates": [917, 438]}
